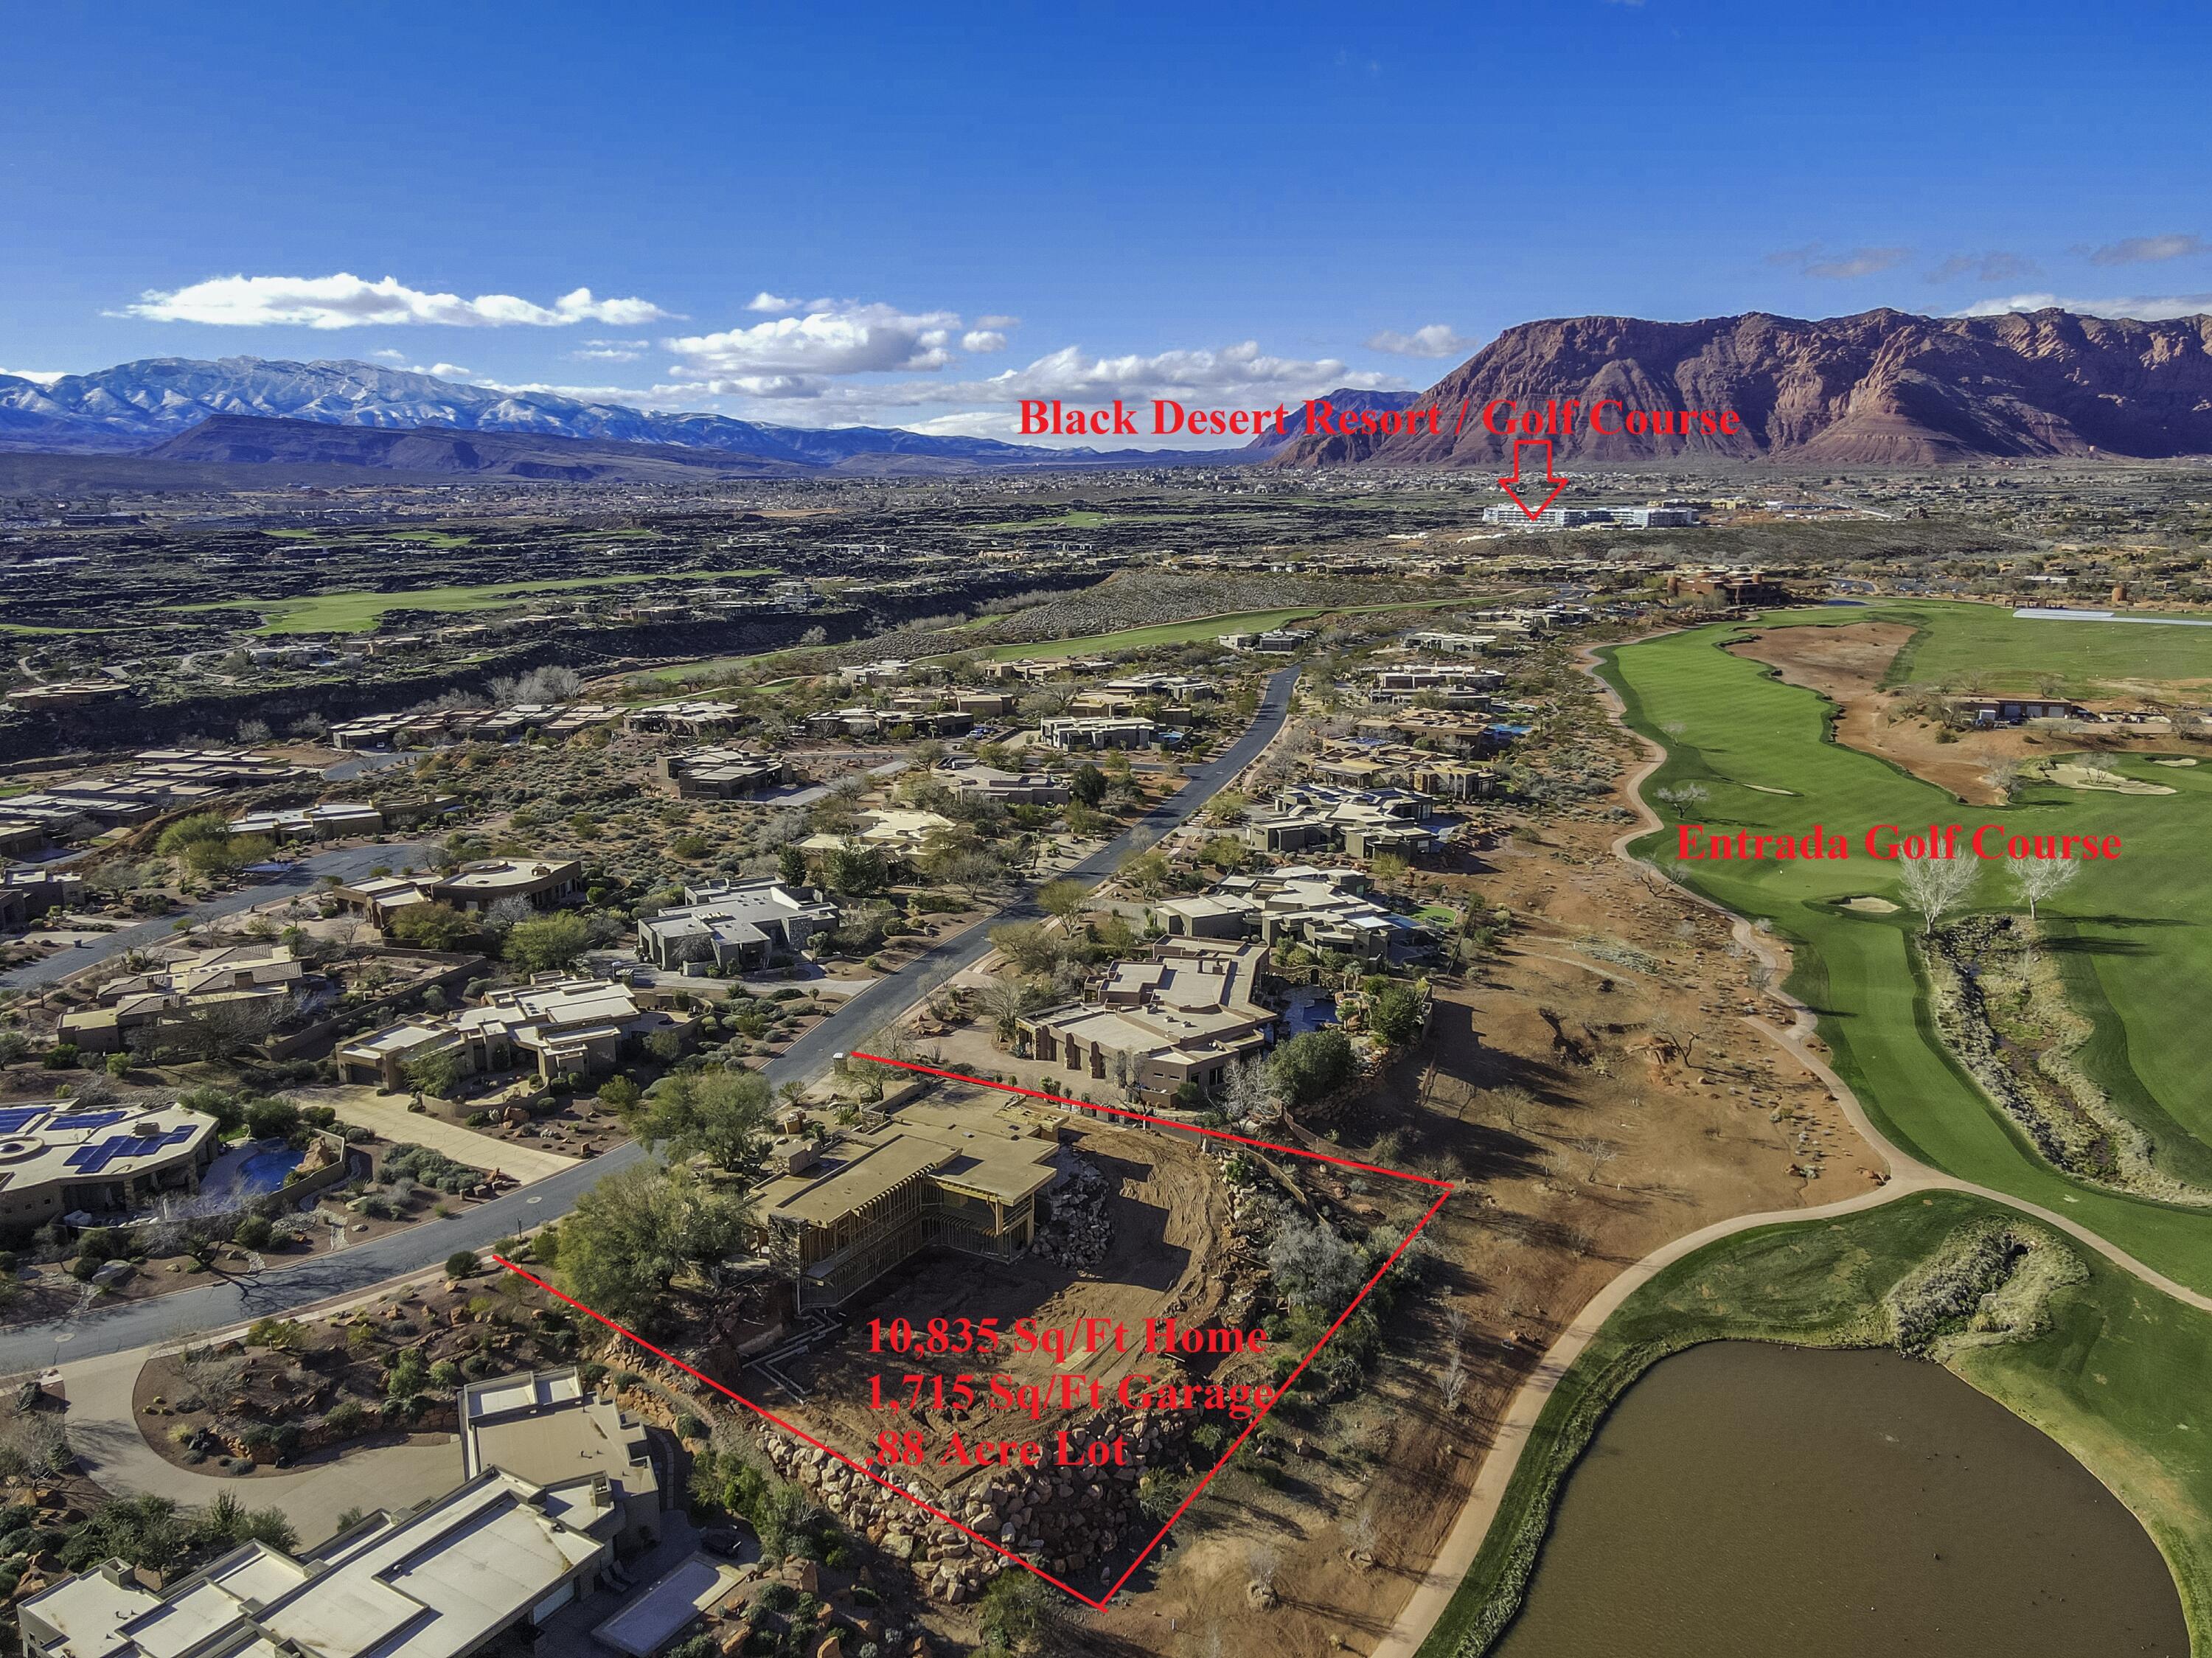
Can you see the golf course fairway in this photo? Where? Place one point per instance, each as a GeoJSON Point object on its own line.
{"type": "Point", "coordinates": [2131, 932]}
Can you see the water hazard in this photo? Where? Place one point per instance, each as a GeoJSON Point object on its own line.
{"type": "Point", "coordinates": [1745, 1501]}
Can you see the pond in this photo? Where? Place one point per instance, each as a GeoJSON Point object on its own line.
{"type": "Point", "coordinates": [1745, 1500]}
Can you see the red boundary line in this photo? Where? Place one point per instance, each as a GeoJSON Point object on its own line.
{"type": "Point", "coordinates": [1327, 1335]}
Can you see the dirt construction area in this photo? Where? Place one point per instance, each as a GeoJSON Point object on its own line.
{"type": "Point", "coordinates": [1165, 1211]}
{"type": "Point", "coordinates": [1591, 1086]}
{"type": "Point", "coordinates": [1846, 665]}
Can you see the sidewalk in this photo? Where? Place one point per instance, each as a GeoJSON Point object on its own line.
{"type": "Point", "coordinates": [389, 1116]}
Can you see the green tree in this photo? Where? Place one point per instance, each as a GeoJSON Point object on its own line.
{"type": "Point", "coordinates": [1394, 1014]}
{"type": "Point", "coordinates": [721, 1114]}
{"type": "Point", "coordinates": [1147, 872]}
{"type": "Point", "coordinates": [853, 870]}
{"type": "Point", "coordinates": [620, 1094]}
{"type": "Point", "coordinates": [790, 865]}
{"type": "Point", "coordinates": [430, 926]}
{"type": "Point", "coordinates": [462, 1263]}
{"type": "Point", "coordinates": [635, 1233]}
{"type": "Point", "coordinates": [549, 942]}
{"type": "Point", "coordinates": [1064, 898]}
{"type": "Point", "coordinates": [187, 832]}
{"type": "Point", "coordinates": [1088, 784]}
{"type": "Point", "coordinates": [1311, 1067]}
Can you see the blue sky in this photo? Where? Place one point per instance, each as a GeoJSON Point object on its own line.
{"type": "Point", "coordinates": [821, 216]}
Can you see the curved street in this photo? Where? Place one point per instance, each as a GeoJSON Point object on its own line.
{"type": "Point", "coordinates": [236, 1300]}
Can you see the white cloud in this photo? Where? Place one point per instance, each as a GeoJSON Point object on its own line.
{"type": "Point", "coordinates": [2160, 307]}
{"type": "Point", "coordinates": [1437, 340]}
{"type": "Point", "coordinates": [349, 301]}
{"type": "Point", "coordinates": [1813, 260]}
{"type": "Point", "coordinates": [765, 300]}
{"type": "Point", "coordinates": [36, 376]}
{"type": "Point", "coordinates": [390, 355]}
{"type": "Point", "coordinates": [983, 339]}
{"type": "Point", "coordinates": [606, 353]}
{"type": "Point", "coordinates": [1001, 324]}
{"type": "Point", "coordinates": [1233, 374]}
{"type": "Point", "coordinates": [2149, 250]}
{"type": "Point", "coordinates": [845, 339]}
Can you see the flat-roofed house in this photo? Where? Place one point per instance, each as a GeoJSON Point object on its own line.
{"type": "Point", "coordinates": [199, 979]}
{"type": "Point", "coordinates": [554, 1024]}
{"type": "Point", "coordinates": [1321, 908]}
{"type": "Point", "coordinates": [721, 773]}
{"type": "Point", "coordinates": [549, 1429]}
{"type": "Point", "coordinates": [56, 1160]}
{"type": "Point", "coordinates": [2014, 710]}
{"type": "Point", "coordinates": [1072, 733]}
{"type": "Point", "coordinates": [496, 1554]}
{"type": "Point", "coordinates": [746, 924]}
{"type": "Point", "coordinates": [320, 822]}
{"type": "Point", "coordinates": [1153, 1027]}
{"type": "Point", "coordinates": [543, 883]}
{"type": "Point", "coordinates": [1023, 788]}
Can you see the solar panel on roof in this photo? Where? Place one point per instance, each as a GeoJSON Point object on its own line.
{"type": "Point", "coordinates": [89, 1119]}
{"type": "Point", "coordinates": [15, 1119]}
{"type": "Point", "coordinates": [91, 1159]}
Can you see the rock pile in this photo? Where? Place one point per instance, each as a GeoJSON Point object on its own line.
{"type": "Point", "coordinates": [1060, 1518]}
{"type": "Point", "coordinates": [1077, 1232]}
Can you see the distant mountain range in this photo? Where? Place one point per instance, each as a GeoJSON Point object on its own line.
{"type": "Point", "coordinates": [1884, 388]}
{"type": "Point", "coordinates": [136, 405]}
{"type": "Point", "coordinates": [1881, 388]}
{"type": "Point", "coordinates": [427, 451]}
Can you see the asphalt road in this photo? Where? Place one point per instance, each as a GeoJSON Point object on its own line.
{"type": "Point", "coordinates": [361, 1267]}
{"type": "Point", "coordinates": [348, 864]}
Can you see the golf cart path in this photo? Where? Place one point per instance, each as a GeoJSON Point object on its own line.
{"type": "Point", "coordinates": [1907, 1175]}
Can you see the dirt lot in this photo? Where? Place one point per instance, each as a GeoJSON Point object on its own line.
{"type": "Point", "coordinates": [1845, 665]}
{"type": "Point", "coordinates": [1167, 1210]}
{"type": "Point", "coordinates": [1557, 1090]}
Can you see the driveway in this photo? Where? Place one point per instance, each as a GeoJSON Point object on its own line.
{"type": "Point", "coordinates": [114, 1452]}
{"type": "Point", "coordinates": [347, 863]}
{"type": "Point", "coordinates": [387, 1114]}
{"type": "Point", "coordinates": [350, 1271]}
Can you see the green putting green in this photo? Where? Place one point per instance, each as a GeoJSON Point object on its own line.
{"type": "Point", "coordinates": [2133, 942]}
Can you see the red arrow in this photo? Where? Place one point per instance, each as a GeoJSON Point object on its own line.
{"type": "Point", "coordinates": [1551, 477]}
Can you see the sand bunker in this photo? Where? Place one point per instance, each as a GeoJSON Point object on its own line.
{"type": "Point", "coordinates": [1769, 789]}
{"type": "Point", "coordinates": [2173, 762]}
{"type": "Point", "coordinates": [2068, 775]}
{"type": "Point", "coordinates": [1869, 905]}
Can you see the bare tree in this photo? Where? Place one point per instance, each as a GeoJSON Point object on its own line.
{"type": "Point", "coordinates": [1683, 797]}
{"type": "Point", "coordinates": [1249, 1096]}
{"type": "Point", "coordinates": [2037, 879]}
{"type": "Point", "coordinates": [1451, 1381]}
{"type": "Point", "coordinates": [2003, 778]}
{"type": "Point", "coordinates": [1935, 886]}
{"type": "Point", "coordinates": [1595, 1154]}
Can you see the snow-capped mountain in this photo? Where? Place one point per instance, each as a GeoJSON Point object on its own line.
{"type": "Point", "coordinates": [135, 405]}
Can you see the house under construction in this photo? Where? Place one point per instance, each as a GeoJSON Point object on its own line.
{"type": "Point", "coordinates": [956, 1176]}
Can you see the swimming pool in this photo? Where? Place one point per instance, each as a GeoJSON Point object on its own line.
{"type": "Point", "coordinates": [251, 1170]}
